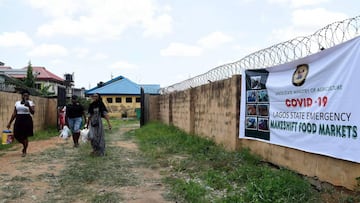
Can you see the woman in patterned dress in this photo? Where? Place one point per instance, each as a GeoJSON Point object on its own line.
{"type": "Point", "coordinates": [97, 110]}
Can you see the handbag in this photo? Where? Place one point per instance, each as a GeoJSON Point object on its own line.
{"type": "Point", "coordinates": [84, 133]}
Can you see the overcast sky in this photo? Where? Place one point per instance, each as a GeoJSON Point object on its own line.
{"type": "Point", "coordinates": [152, 41]}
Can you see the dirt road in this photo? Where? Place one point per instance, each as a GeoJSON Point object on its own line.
{"type": "Point", "coordinates": [36, 177]}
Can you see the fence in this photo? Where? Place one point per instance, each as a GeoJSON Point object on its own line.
{"type": "Point", "coordinates": [284, 52]}
{"type": "Point", "coordinates": [212, 109]}
{"type": "Point", "coordinates": [45, 110]}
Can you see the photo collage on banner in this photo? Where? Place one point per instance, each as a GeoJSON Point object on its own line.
{"type": "Point", "coordinates": [257, 105]}
{"type": "Point", "coordinates": [308, 104]}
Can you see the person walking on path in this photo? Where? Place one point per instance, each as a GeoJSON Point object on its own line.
{"type": "Point", "coordinates": [23, 126]}
{"type": "Point", "coordinates": [97, 110]}
{"type": "Point", "coordinates": [74, 118]}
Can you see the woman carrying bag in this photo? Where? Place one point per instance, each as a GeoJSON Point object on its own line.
{"type": "Point", "coordinates": [97, 111]}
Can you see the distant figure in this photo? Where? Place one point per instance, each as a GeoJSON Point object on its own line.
{"type": "Point", "coordinates": [62, 117]}
{"type": "Point", "coordinates": [23, 126]}
{"type": "Point", "coordinates": [97, 110]}
{"type": "Point", "coordinates": [74, 118]}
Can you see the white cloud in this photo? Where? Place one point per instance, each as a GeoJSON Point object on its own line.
{"type": "Point", "coordinates": [302, 3]}
{"type": "Point", "coordinates": [98, 19]}
{"type": "Point", "coordinates": [123, 65]}
{"type": "Point", "coordinates": [56, 61]}
{"type": "Point", "coordinates": [214, 40]}
{"type": "Point", "coordinates": [179, 49]}
{"type": "Point", "coordinates": [88, 27]}
{"type": "Point", "coordinates": [298, 3]}
{"type": "Point", "coordinates": [306, 22]}
{"type": "Point", "coordinates": [56, 8]}
{"type": "Point", "coordinates": [159, 26]}
{"type": "Point", "coordinates": [15, 39]}
{"type": "Point", "coordinates": [315, 18]}
{"type": "Point", "coordinates": [48, 50]}
{"type": "Point", "coordinates": [100, 56]}
{"type": "Point", "coordinates": [278, 1]}
{"type": "Point", "coordinates": [80, 52]}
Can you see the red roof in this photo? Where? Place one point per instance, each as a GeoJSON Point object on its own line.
{"type": "Point", "coordinates": [43, 74]}
{"type": "Point", "coordinates": [5, 67]}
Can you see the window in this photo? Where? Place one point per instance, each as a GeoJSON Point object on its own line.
{"type": "Point", "coordinates": [109, 100]}
{"type": "Point", "coordinates": [118, 99]}
{"type": "Point", "coordinates": [128, 100]}
{"type": "Point", "coordinates": [38, 86]}
{"type": "Point", "coordinates": [138, 99]}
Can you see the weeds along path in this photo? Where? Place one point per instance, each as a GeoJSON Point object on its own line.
{"type": "Point", "coordinates": [54, 171]}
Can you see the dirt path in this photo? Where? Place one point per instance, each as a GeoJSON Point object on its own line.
{"type": "Point", "coordinates": [32, 178]}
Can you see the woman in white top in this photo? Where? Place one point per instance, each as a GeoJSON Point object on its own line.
{"type": "Point", "coordinates": [23, 126]}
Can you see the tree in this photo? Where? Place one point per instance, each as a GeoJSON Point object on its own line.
{"type": "Point", "coordinates": [30, 79]}
{"type": "Point", "coordinates": [45, 91]}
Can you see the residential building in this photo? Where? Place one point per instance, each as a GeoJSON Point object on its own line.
{"type": "Point", "coordinates": [121, 96]}
{"type": "Point", "coordinates": [43, 78]}
{"type": "Point", "coordinates": [7, 82]}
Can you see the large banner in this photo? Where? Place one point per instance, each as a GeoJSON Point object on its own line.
{"type": "Point", "coordinates": [310, 104]}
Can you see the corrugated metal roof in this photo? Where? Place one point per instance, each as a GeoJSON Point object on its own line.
{"type": "Point", "coordinates": [42, 73]}
{"type": "Point", "coordinates": [151, 89]}
{"type": "Point", "coordinates": [121, 85]}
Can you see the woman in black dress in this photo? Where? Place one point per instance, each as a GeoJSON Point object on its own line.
{"type": "Point", "coordinates": [23, 126]}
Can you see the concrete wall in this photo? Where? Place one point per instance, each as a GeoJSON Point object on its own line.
{"type": "Point", "coordinates": [164, 109]}
{"type": "Point", "coordinates": [45, 110]}
{"type": "Point", "coordinates": [117, 109]}
{"type": "Point", "coordinates": [181, 106]}
{"type": "Point", "coordinates": [213, 111]}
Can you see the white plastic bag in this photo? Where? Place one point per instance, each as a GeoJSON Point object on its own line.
{"type": "Point", "coordinates": [65, 132]}
{"type": "Point", "coordinates": [84, 133]}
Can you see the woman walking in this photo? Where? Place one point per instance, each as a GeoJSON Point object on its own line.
{"type": "Point", "coordinates": [74, 118]}
{"type": "Point", "coordinates": [97, 110]}
{"type": "Point", "coordinates": [23, 126]}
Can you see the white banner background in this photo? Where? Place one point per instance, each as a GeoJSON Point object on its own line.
{"type": "Point", "coordinates": [333, 86]}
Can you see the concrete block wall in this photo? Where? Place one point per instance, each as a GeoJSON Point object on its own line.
{"type": "Point", "coordinates": [181, 115]}
{"type": "Point", "coordinates": [153, 110]}
{"type": "Point", "coordinates": [335, 171]}
{"type": "Point", "coordinates": [164, 109]}
{"type": "Point", "coordinates": [213, 111]}
{"type": "Point", "coordinates": [45, 110]}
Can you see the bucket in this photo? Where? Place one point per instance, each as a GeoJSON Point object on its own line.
{"type": "Point", "coordinates": [6, 137]}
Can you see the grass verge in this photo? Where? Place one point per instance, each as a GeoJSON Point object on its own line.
{"type": "Point", "coordinates": [201, 171]}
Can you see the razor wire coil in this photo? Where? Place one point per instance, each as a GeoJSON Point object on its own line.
{"type": "Point", "coordinates": [299, 47]}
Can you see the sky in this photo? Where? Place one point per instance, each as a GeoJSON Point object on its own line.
{"type": "Point", "coordinates": [152, 41]}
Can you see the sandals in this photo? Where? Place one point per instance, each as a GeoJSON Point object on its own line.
{"type": "Point", "coordinates": [23, 153]}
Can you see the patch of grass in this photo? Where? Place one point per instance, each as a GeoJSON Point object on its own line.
{"type": "Point", "coordinates": [88, 178]}
{"type": "Point", "coordinates": [12, 191]}
{"type": "Point", "coordinates": [20, 178]}
{"type": "Point", "coordinates": [109, 170]}
{"type": "Point", "coordinates": [38, 135]}
{"type": "Point", "coordinates": [277, 186]}
{"type": "Point", "coordinates": [45, 134]}
{"type": "Point", "coordinates": [107, 197]}
{"type": "Point", "coordinates": [206, 172]}
{"type": "Point", "coordinates": [6, 146]}
{"type": "Point", "coordinates": [186, 191]}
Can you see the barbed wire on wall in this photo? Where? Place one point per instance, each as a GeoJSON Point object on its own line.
{"type": "Point", "coordinates": [299, 47]}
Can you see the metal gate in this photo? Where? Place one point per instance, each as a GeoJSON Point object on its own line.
{"type": "Point", "coordinates": [145, 99]}
{"type": "Point", "coordinates": [61, 103]}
